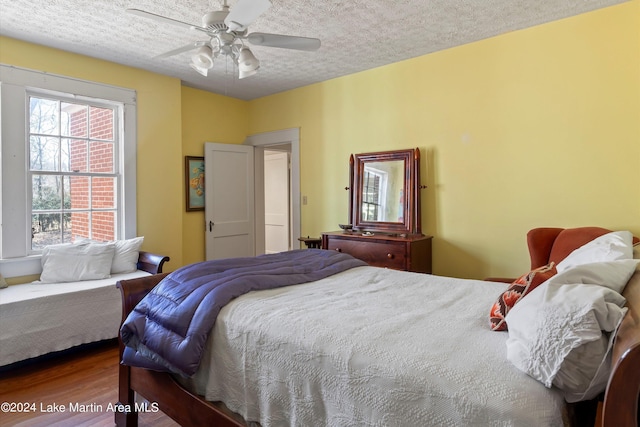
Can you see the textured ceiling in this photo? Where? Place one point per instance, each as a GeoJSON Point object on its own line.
{"type": "Point", "coordinates": [356, 34]}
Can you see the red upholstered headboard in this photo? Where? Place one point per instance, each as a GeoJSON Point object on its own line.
{"type": "Point", "coordinates": [555, 244]}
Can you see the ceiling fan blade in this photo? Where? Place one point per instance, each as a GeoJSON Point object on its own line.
{"type": "Point", "coordinates": [244, 12]}
{"type": "Point", "coordinates": [285, 42]}
{"type": "Point", "coordinates": [185, 48]}
{"type": "Point", "coordinates": [164, 19]}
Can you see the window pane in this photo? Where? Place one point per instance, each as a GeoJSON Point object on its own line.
{"type": "Point", "coordinates": [77, 195]}
{"type": "Point", "coordinates": [74, 120]}
{"type": "Point", "coordinates": [46, 229]}
{"type": "Point", "coordinates": [44, 116]}
{"type": "Point", "coordinates": [44, 153]}
{"type": "Point", "coordinates": [101, 123]}
{"type": "Point", "coordinates": [46, 192]}
{"type": "Point", "coordinates": [79, 227]}
{"type": "Point", "coordinates": [103, 226]}
{"type": "Point", "coordinates": [103, 193]}
{"type": "Point", "coordinates": [78, 149]}
{"type": "Point", "coordinates": [101, 157]}
{"type": "Point", "coordinates": [74, 155]}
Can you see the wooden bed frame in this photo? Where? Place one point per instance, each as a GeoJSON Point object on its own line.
{"type": "Point", "coordinates": [150, 262]}
{"type": "Point", "coordinates": [620, 407]}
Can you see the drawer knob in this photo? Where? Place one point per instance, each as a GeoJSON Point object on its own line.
{"type": "Point", "coordinates": [338, 249]}
{"type": "Point", "coordinates": [390, 256]}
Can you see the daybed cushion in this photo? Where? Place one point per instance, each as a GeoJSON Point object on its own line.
{"type": "Point", "coordinates": [39, 318]}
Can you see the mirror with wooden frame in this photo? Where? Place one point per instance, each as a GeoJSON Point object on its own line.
{"type": "Point", "coordinates": [384, 191]}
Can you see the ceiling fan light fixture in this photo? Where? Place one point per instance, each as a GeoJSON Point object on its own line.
{"type": "Point", "coordinates": [247, 62]}
{"type": "Point", "coordinates": [203, 58]}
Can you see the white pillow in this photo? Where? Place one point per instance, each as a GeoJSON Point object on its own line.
{"type": "Point", "coordinates": [75, 262]}
{"type": "Point", "coordinates": [584, 365]}
{"type": "Point", "coordinates": [608, 247]}
{"type": "Point", "coordinates": [562, 335]}
{"type": "Point", "coordinates": [612, 274]}
{"type": "Point", "coordinates": [125, 259]}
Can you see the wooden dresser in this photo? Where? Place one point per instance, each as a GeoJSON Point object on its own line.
{"type": "Point", "coordinates": [411, 252]}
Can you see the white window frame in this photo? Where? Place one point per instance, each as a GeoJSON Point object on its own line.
{"type": "Point", "coordinates": [16, 84]}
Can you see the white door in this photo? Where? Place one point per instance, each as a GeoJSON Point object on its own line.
{"type": "Point", "coordinates": [229, 200]}
{"type": "Point", "coordinates": [276, 201]}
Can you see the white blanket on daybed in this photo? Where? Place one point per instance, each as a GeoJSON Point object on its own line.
{"type": "Point", "coordinates": [39, 318]}
{"type": "Point", "coordinates": [371, 347]}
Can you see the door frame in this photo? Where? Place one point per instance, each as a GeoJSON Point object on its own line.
{"type": "Point", "coordinates": [261, 141]}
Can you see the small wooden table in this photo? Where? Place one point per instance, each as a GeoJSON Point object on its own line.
{"type": "Point", "coordinates": [311, 242]}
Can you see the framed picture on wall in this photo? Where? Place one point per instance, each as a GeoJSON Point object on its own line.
{"type": "Point", "coordinates": [194, 179]}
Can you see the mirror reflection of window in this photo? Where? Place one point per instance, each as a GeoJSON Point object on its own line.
{"type": "Point", "coordinates": [382, 191]}
{"type": "Point", "coordinates": [374, 194]}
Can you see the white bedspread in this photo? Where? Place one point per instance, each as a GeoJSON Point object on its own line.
{"type": "Point", "coordinates": [371, 347]}
{"type": "Point", "coordinates": [39, 318]}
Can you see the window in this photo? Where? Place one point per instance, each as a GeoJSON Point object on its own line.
{"type": "Point", "coordinates": [72, 171]}
{"type": "Point", "coordinates": [68, 164]}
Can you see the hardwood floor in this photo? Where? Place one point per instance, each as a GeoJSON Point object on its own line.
{"type": "Point", "coordinates": [83, 383]}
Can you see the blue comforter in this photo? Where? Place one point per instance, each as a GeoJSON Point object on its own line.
{"type": "Point", "coordinates": [168, 329]}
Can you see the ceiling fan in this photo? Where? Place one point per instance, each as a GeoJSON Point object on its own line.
{"type": "Point", "coordinates": [226, 30]}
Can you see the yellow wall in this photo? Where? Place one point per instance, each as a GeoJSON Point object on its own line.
{"type": "Point", "coordinates": [206, 117]}
{"type": "Point", "coordinates": [539, 127]}
{"type": "Point", "coordinates": [159, 162]}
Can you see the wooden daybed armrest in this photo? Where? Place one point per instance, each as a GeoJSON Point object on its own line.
{"type": "Point", "coordinates": [151, 263]}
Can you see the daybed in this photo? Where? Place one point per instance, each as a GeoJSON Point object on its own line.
{"type": "Point", "coordinates": [374, 347]}
{"type": "Point", "coordinates": [40, 318]}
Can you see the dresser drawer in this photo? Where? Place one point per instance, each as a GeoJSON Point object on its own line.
{"type": "Point", "coordinates": [377, 254]}
{"type": "Point", "coordinates": [411, 253]}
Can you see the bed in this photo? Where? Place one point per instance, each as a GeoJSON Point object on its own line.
{"type": "Point", "coordinates": [40, 318]}
{"type": "Point", "coordinates": [407, 394]}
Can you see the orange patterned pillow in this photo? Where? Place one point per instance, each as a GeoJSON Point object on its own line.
{"type": "Point", "coordinates": [516, 291]}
